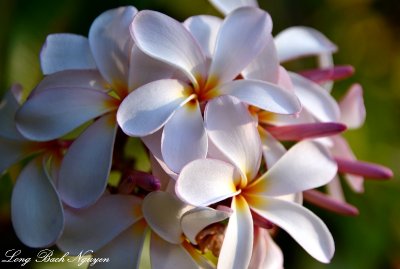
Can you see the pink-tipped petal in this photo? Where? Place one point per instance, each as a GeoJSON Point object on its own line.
{"type": "Point", "coordinates": [264, 95]}
{"type": "Point", "coordinates": [298, 41]}
{"type": "Point", "coordinates": [167, 40]}
{"type": "Point", "coordinates": [55, 112]}
{"type": "Point", "coordinates": [266, 253]}
{"type": "Point", "coordinates": [93, 227]}
{"type": "Point", "coordinates": [306, 165]}
{"type": "Point", "coordinates": [204, 29]}
{"type": "Point", "coordinates": [184, 138]}
{"type": "Point", "coordinates": [66, 51]}
{"type": "Point", "coordinates": [254, 26]}
{"type": "Point", "coordinates": [148, 108]}
{"type": "Point", "coordinates": [206, 181]}
{"type": "Point", "coordinates": [238, 242]}
{"type": "Point", "coordinates": [334, 73]}
{"type": "Point", "coordinates": [86, 166]}
{"type": "Point", "coordinates": [365, 169]}
{"type": "Point", "coordinates": [111, 44]}
{"type": "Point", "coordinates": [233, 131]}
{"type": "Point", "coordinates": [227, 6]}
{"type": "Point", "coordinates": [125, 250]}
{"type": "Point", "coordinates": [305, 131]}
{"type": "Point", "coordinates": [36, 210]}
{"type": "Point", "coordinates": [303, 225]}
{"type": "Point", "coordinates": [326, 202]}
{"type": "Point", "coordinates": [352, 107]}
{"type": "Point", "coordinates": [163, 212]}
{"type": "Point", "coordinates": [315, 99]}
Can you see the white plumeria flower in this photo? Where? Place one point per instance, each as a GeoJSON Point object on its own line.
{"type": "Point", "coordinates": [176, 104]}
{"type": "Point", "coordinates": [305, 166]}
{"type": "Point", "coordinates": [81, 74]}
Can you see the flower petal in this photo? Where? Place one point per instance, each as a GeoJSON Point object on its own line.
{"type": "Point", "coordinates": [111, 44]}
{"type": "Point", "coordinates": [329, 203]}
{"type": "Point", "coordinates": [164, 255]}
{"type": "Point", "coordinates": [272, 149]}
{"type": "Point", "coordinates": [266, 66]}
{"type": "Point", "coordinates": [299, 41]}
{"type": "Point", "coordinates": [233, 131]}
{"type": "Point", "coordinates": [66, 51]}
{"type": "Point", "coordinates": [125, 250]}
{"type": "Point", "coordinates": [205, 181]}
{"type": "Point", "coordinates": [86, 166]}
{"type": "Point", "coordinates": [55, 112]}
{"type": "Point", "coordinates": [264, 95]}
{"type": "Point", "coordinates": [195, 220]}
{"type": "Point", "coordinates": [144, 69]}
{"type": "Point", "coordinates": [352, 107]}
{"type": "Point", "coordinates": [184, 138]}
{"type": "Point", "coordinates": [149, 107]}
{"type": "Point", "coordinates": [165, 222]}
{"type": "Point", "coordinates": [169, 41]}
{"type": "Point", "coordinates": [266, 253]}
{"type": "Point", "coordinates": [204, 28]}
{"type": "Point", "coordinates": [13, 151]}
{"type": "Point", "coordinates": [254, 26]}
{"type": "Point", "coordinates": [95, 226]}
{"type": "Point", "coordinates": [8, 108]}
{"type": "Point", "coordinates": [238, 242]}
{"type": "Point", "coordinates": [306, 165]}
{"type": "Point", "coordinates": [315, 99]}
{"type": "Point", "coordinates": [90, 79]}
{"type": "Point", "coordinates": [304, 227]}
{"type": "Point", "coordinates": [227, 6]}
{"type": "Point", "coordinates": [36, 210]}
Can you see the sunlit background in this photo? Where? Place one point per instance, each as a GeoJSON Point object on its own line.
{"type": "Point", "coordinates": [367, 33]}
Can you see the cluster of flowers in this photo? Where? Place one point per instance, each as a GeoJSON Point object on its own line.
{"type": "Point", "coordinates": [212, 103]}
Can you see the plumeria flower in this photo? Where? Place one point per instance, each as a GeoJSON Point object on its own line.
{"type": "Point", "coordinates": [116, 227]}
{"type": "Point", "coordinates": [176, 104]}
{"type": "Point", "coordinates": [207, 181]}
{"type": "Point", "coordinates": [29, 205]}
{"type": "Point", "coordinates": [88, 78]}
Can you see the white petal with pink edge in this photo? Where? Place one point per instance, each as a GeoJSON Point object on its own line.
{"type": "Point", "coordinates": [227, 6]}
{"type": "Point", "coordinates": [233, 131]}
{"type": "Point", "coordinates": [66, 51]}
{"type": "Point", "coordinates": [238, 242]}
{"type": "Point", "coordinates": [206, 181]}
{"type": "Point", "coordinates": [111, 44]}
{"type": "Point", "coordinates": [315, 99]}
{"type": "Point", "coordinates": [264, 95]}
{"type": "Point", "coordinates": [95, 226]}
{"type": "Point", "coordinates": [184, 138]}
{"type": "Point", "coordinates": [303, 226]}
{"type": "Point", "coordinates": [86, 166]}
{"type": "Point", "coordinates": [36, 210]}
{"type": "Point", "coordinates": [254, 26]}
{"type": "Point", "coordinates": [266, 253]}
{"type": "Point", "coordinates": [306, 165]}
{"type": "Point", "coordinates": [352, 107]}
{"type": "Point", "coordinates": [167, 40]}
{"type": "Point", "coordinates": [299, 41]}
{"type": "Point", "coordinates": [56, 112]}
{"type": "Point", "coordinates": [149, 107]}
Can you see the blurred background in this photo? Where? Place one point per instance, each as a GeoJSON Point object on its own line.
{"type": "Point", "coordinates": [367, 33]}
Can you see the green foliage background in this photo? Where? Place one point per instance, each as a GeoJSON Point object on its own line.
{"type": "Point", "coordinates": [367, 33]}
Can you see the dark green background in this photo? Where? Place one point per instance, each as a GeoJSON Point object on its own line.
{"type": "Point", "coordinates": [368, 36]}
